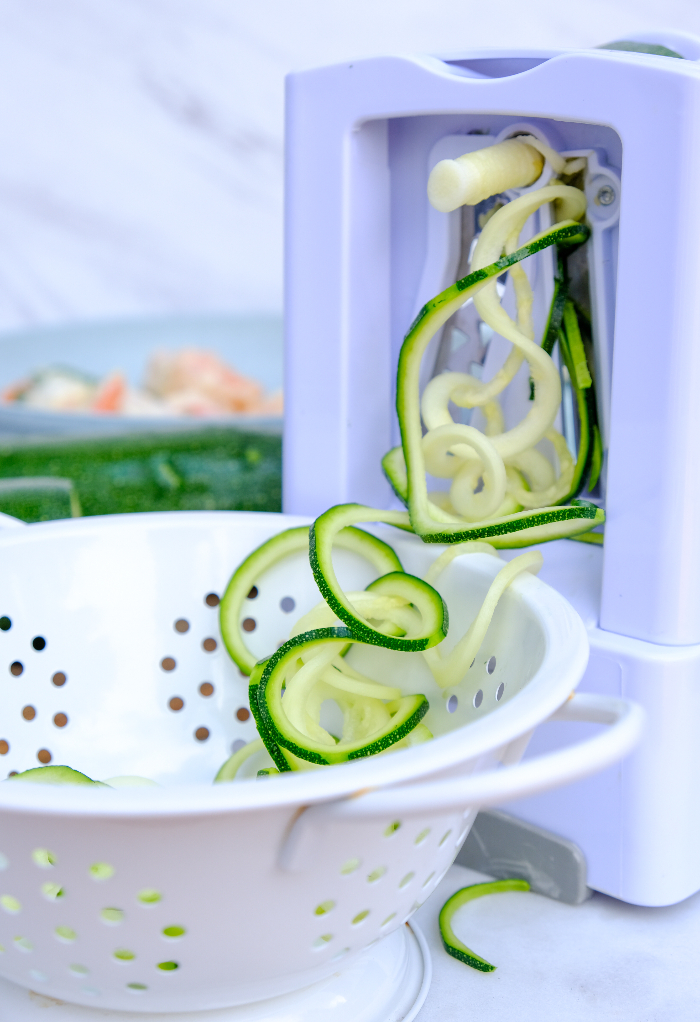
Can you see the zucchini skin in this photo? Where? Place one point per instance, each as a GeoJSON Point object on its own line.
{"type": "Point", "coordinates": [281, 734]}
{"type": "Point", "coordinates": [290, 541]}
{"type": "Point", "coordinates": [429, 523]}
{"type": "Point", "coordinates": [417, 709]}
{"type": "Point", "coordinates": [528, 527]}
{"type": "Point", "coordinates": [429, 601]}
{"type": "Point", "coordinates": [556, 309]}
{"type": "Point", "coordinates": [242, 581]}
{"type": "Point", "coordinates": [268, 741]}
{"type": "Point", "coordinates": [451, 943]}
{"type": "Point", "coordinates": [54, 774]}
{"type": "Point", "coordinates": [589, 457]}
{"type": "Point", "coordinates": [596, 538]}
{"type": "Point", "coordinates": [522, 528]}
{"type": "Point", "coordinates": [563, 326]}
{"type": "Point", "coordinates": [394, 468]}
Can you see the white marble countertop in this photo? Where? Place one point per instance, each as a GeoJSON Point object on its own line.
{"type": "Point", "coordinates": [602, 960]}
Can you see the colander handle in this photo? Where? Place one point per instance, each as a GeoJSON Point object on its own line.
{"type": "Point", "coordinates": [625, 720]}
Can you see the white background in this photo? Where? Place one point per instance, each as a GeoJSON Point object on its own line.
{"type": "Point", "coordinates": [141, 140]}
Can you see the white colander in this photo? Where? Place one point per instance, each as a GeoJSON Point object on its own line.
{"type": "Point", "coordinates": [192, 896]}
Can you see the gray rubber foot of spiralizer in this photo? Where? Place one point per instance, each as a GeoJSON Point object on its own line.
{"type": "Point", "coordinates": [504, 846]}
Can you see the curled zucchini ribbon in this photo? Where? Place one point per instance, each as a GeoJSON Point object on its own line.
{"type": "Point", "coordinates": [397, 610]}
{"type": "Point", "coordinates": [307, 671]}
{"type": "Point", "coordinates": [449, 669]}
{"type": "Point", "coordinates": [288, 689]}
{"type": "Point", "coordinates": [424, 622]}
{"type": "Point", "coordinates": [503, 488]}
{"type": "Point", "coordinates": [450, 941]}
{"type": "Point", "coordinates": [284, 544]}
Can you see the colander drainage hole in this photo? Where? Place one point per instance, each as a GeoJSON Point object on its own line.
{"type": "Point", "coordinates": [101, 871]}
{"type": "Point", "coordinates": [253, 593]}
{"type": "Point", "coordinates": [392, 828]}
{"type": "Point", "coordinates": [349, 866]}
{"type": "Point", "coordinates": [78, 970]}
{"type": "Point", "coordinates": [324, 908]}
{"type": "Point", "coordinates": [206, 689]}
{"type": "Point", "coordinates": [444, 838]}
{"type": "Point", "coordinates": [59, 679]}
{"type": "Point", "coordinates": [238, 744]}
{"type": "Point", "coordinates": [209, 645]}
{"type": "Point", "coordinates": [321, 941]}
{"type": "Point", "coordinates": [16, 668]}
{"type": "Point", "coordinates": [168, 663]}
{"type": "Point", "coordinates": [249, 624]}
{"type": "Point", "coordinates": [168, 966]}
{"type": "Point", "coordinates": [499, 692]}
{"type": "Point", "coordinates": [60, 720]}
{"type": "Point", "coordinates": [174, 932]}
{"type": "Point", "coordinates": [23, 944]}
{"type": "Point", "coordinates": [406, 880]}
{"type": "Point", "coordinates": [360, 917]}
{"type": "Point", "coordinates": [478, 699]}
{"type": "Point", "coordinates": [11, 904]}
{"type": "Point", "coordinates": [137, 988]}
{"type": "Point", "coordinates": [5, 624]}
{"type": "Point", "coordinates": [4, 747]}
{"type": "Point", "coordinates": [40, 977]}
{"type": "Point", "coordinates": [28, 712]}
{"type": "Point", "coordinates": [4, 861]}
{"type": "Point", "coordinates": [287, 604]}
{"type": "Point", "coordinates": [242, 713]}
{"type": "Point", "coordinates": [340, 954]}
{"type": "Point", "coordinates": [149, 896]}
{"type": "Point", "coordinates": [65, 934]}
{"type": "Point", "coordinates": [491, 665]}
{"type": "Point", "coordinates": [201, 734]}
{"type": "Point", "coordinates": [43, 858]}
{"type": "Point", "coordinates": [176, 703]}
{"type": "Point", "coordinates": [452, 704]}
{"type": "Point", "coordinates": [389, 918]}
{"type": "Point", "coordinates": [181, 625]}
{"type": "Point", "coordinates": [122, 954]}
{"type": "Point", "coordinates": [112, 916]}
{"type": "Point", "coordinates": [44, 756]}
{"type": "Point", "coordinates": [422, 836]}
{"type": "Point", "coordinates": [52, 891]}
{"type": "Point", "coordinates": [39, 643]}
{"type": "Point", "coordinates": [376, 874]}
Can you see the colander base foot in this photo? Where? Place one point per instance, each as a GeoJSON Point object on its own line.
{"type": "Point", "coordinates": [387, 983]}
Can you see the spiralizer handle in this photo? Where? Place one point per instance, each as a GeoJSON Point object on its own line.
{"type": "Point", "coordinates": [493, 787]}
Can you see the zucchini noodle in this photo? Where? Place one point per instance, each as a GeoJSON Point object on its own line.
{"type": "Point", "coordinates": [289, 689]}
{"type": "Point", "coordinates": [449, 670]}
{"type": "Point", "coordinates": [498, 473]}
